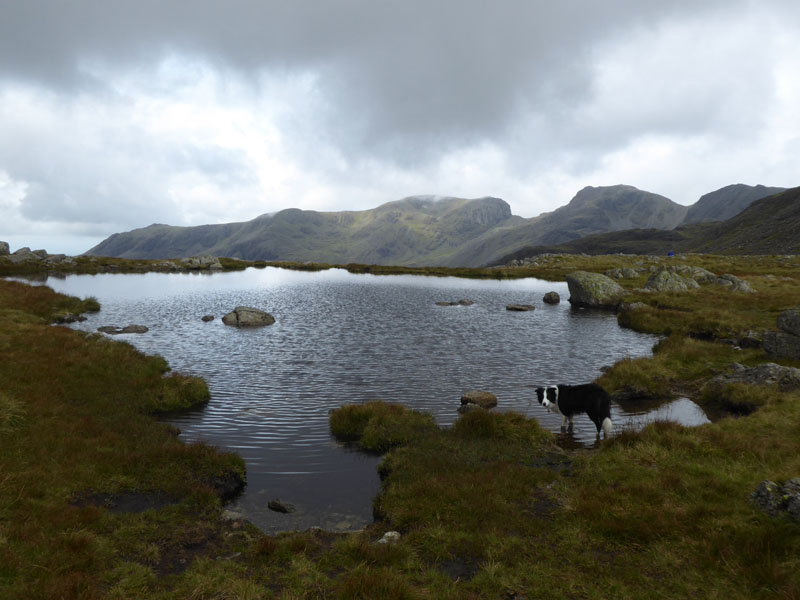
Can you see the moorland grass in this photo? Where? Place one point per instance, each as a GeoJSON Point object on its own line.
{"type": "Point", "coordinates": [490, 508]}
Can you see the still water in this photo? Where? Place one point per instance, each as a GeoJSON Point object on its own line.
{"type": "Point", "coordinates": [343, 338]}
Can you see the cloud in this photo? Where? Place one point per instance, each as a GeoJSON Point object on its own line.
{"type": "Point", "coordinates": [117, 114]}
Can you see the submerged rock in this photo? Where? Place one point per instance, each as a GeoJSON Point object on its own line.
{"type": "Point", "coordinates": [520, 307]}
{"type": "Point", "coordinates": [245, 316]}
{"type": "Point", "coordinates": [462, 302]}
{"type": "Point", "coordinates": [114, 330]}
{"type": "Point", "coordinates": [280, 506]}
{"type": "Point", "coordinates": [480, 398]}
{"type": "Point", "coordinates": [593, 290]}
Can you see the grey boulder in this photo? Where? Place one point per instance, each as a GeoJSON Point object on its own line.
{"type": "Point", "coordinates": [593, 290]}
{"type": "Point", "coordinates": [551, 298]}
{"type": "Point", "coordinates": [479, 398]}
{"type": "Point", "coordinates": [246, 316]}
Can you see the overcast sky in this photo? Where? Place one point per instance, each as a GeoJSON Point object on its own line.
{"type": "Point", "coordinates": [116, 114]}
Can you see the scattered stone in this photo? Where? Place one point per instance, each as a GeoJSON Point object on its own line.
{"type": "Point", "coordinates": [734, 284]}
{"type": "Point", "coordinates": [480, 398]}
{"type": "Point", "coordinates": [667, 281]}
{"type": "Point", "coordinates": [778, 499]}
{"type": "Point", "coordinates": [245, 316]}
{"type": "Point", "coordinates": [280, 506]}
{"type": "Point", "coordinates": [520, 307]}
{"type": "Point", "coordinates": [593, 290]}
{"type": "Point", "coordinates": [551, 298]}
{"type": "Point", "coordinates": [390, 537]}
{"type": "Point", "coordinates": [207, 318]}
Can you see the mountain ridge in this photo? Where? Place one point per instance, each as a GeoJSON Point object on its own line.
{"type": "Point", "coordinates": [420, 230]}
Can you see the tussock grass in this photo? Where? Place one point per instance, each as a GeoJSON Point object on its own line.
{"type": "Point", "coordinates": [378, 426]}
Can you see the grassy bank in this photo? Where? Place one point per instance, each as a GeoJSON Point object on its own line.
{"type": "Point", "coordinates": [100, 500]}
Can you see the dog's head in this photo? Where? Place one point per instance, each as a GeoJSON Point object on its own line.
{"type": "Point", "coordinates": [548, 396]}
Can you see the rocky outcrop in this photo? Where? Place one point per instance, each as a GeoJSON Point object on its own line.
{"type": "Point", "coordinates": [551, 298]}
{"type": "Point", "coordinates": [785, 343]}
{"type": "Point", "coordinates": [520, 307]}
{"type": "Point", "coordinates": [667, 281]}
{"type": "Point", "coordinates": [203, 262]}
{"type": "Point", "coordinates": [479, 398]}
{"type": "Point", "coordinates": [787, 378]}
{"type": "Point", "coordinates": [114, 330]}
{"type": "Point", "coordinates": [245, 316]}
{"type": "Point", "coordinates": [777, 499]}
{"type": "Point", "coordinates": [24, 255]}
{"type": "Point", "coordinates": [593, 290]}
{"type": "Point", "coordinates": [4, 249]}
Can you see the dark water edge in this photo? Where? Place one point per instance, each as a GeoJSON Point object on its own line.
{"type": "Point", "coordinates": [342, 338]}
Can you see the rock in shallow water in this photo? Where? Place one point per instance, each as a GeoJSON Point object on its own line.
{"type": "Point", "coordinates": [246, 316]}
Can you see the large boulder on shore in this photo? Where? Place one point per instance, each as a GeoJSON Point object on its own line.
{"type": "Point", "coordinates": [246, 316]}
{"type": "Point", "coordinates": [4, 249]}
{"type": "Point", "coordinates": [593, 290]}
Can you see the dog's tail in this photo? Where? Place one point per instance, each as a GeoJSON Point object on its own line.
{"type": "Point", "coordinates": [608, 426]}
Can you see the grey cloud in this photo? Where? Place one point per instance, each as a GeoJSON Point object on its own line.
{"type": "Point", "coordinates": [404, 76]}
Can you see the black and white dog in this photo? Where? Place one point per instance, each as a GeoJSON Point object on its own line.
{"type": "Point", "coordinates": [570, 400]}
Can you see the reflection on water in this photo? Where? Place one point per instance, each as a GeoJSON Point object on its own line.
{"type": "Point", "coordinates": [342, 338]}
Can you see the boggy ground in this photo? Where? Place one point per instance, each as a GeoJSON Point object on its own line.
{"type": "Point", "coordinates": [490, 508]}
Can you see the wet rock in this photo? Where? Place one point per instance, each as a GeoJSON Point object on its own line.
{"type": "Point", "coordinates": [245, 316]}
{"type": "Point", "coordinates": [551, 298]}
{"type": "Point", "coordinates": [734, 284]}
{"type": "Point", "coordinates": [479, 398]}
{"type": "Point", "coordinates": [667, 281]}
{"type": "Point", "coordinates": [593, 290]}
{"type": "Point", "coordinates": [114, 330]}
{"type": "Point", "coordinates": [280, 506]}
{"type": "Point", "coordinates": [778, 499]}
{"type": "Point", "coordinates": [207, 318]}
{"type": "Point", "coordinates": [520, 307]}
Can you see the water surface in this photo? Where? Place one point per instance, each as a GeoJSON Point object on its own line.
{"type": "Point", "coordinates": [341, 338]}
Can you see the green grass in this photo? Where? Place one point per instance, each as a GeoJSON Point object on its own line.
{"type": "Point", "coordinates": [490, 508]}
